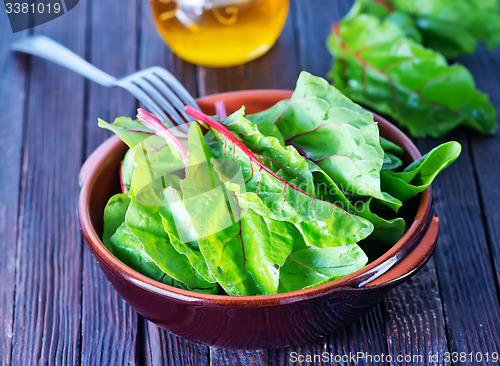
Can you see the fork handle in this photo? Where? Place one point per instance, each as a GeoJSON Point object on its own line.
{"type": "Point", "coordinates": [49, 49]}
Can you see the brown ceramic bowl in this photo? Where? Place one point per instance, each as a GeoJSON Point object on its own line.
{"type": "Point", "coordinates": [253, 322]}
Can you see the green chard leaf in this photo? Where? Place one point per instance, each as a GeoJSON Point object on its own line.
{"type": "Point", "coordinates": [146, 224]}
{"type": "Point", "coordinates": [376, 65]}
{"type": "Point", "coordinates": [451, 27]}
{"type": "Point", "coordinates": [153, 210]}
{"type": "Point", "coordinates": [130, 251]}
{"type": "Point", "coordinates": [387, 231]}
{"type": "Point", "coordinates": [417, 176]}
{"type": "Point", "coordinates": [132, 132]}
{"type": "Point", "coordinates": [124, 245]}
{"type": "Point", "coordinates": [392, 154]}
{"type": "Point", "coordinates": [327, 190]}
{"type": "Point", "coordinates": [114, 216]}
{"type": "Point", "coordinates": [127, 167]}
{"type": "Point", "coordinates": [406, 23]}
{"type": "Point", "coordinates": [391, 147]}
{"type": "Point", "coordinates": [272, 212]}
{"type": "Point", "coordinates": [143, 144]}
{"type": "Point", "coordinates": [311, 266]}
{"type": "Point", "coordinates": [285, 161]}
{"type": "Point", "coordinates": [243, 250]}
{"type": "Point", "coordinates": [284, 200]}
{"type": "Point", "coordinates": [180, 230]}
{"type": "Point", "coordinates": [246, 257]}
{"type": "Point", "coordinates": [391, 161]}
{"type": "Point", "coordinates": [336, 134]}
{"type": "Point", "coordinates": [158, 166]}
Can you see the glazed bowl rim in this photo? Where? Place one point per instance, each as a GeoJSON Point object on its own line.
{"type": "Point", "coordinates": [355, 281]}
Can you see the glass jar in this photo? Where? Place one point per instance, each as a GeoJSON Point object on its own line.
{"type": "Point", "coordinates": [219, 33]}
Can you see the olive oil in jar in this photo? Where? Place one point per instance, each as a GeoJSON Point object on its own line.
{"type": "Point", "coordinates": [219, 33]}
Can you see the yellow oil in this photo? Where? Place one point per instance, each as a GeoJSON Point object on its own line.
{"type": "Point", "coordinates": [219, 33]}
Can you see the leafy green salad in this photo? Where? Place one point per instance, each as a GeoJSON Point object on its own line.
{"type": "Point", "coordinates": [285, 199]}
{"type": "Point", "coordinates": [392, 56]}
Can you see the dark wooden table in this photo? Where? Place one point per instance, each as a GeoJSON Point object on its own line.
{"type": "Point", "coordinates": [57, 308]}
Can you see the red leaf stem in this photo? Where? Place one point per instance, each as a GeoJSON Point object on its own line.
{"type": "Point", "coordinates": [220, 110]}
{"type": "Point", "coordinates": [154, 124]}
{"type": "Point", "coordinates": [367, 65]}
{"type": "Point", "coordinates": [220, 128]}
{"type": "Point", "coordinates": [386, 4]}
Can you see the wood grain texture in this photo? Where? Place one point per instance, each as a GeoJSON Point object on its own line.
{"type": "Point", "coordinates": [486, 153]}
{"type": "Point", "coordinates": [306, 354]}
{"type": "Point", "coordinates": [164, 348]}
{"type": "Point", "coordinates": [365, 335]}
{"type": "Point", "coordinates": [314, 23]}
{"type": "Point", "coordinates": [463, 264]}
{"type": "Point", "coordinates": [226, 357]}
{"type": "Point", "coordinates": [49, 259]}
{"type": "Point", "coordinates": [414, 320]}
{"type": "Point", "coordinates": [109, 325]}
{"type": "Point", "coordinates": [12, 102]}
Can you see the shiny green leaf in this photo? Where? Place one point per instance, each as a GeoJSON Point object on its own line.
{"type": "Point", "coordinates": [336, 134]}
{"type": "Point", "coordinates": [114, 216]}
{"type": "Point", "coordinates": [376, 65]}
{"type": "Point", "coordinates": [417, 176]}
{"type": "Point", "coordinates": [451, 27]}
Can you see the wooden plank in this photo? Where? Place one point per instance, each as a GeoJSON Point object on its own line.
{"type": "Point", "coordinates": [227, 357]}
{"type": "Point", "coordinates": [365, 335]}
{"type": "Point", "coordinates": [48, 278]}
{"type": "Point", "coordinates": [313, 353]}
{"type": "Point", "coordinates": [486, 156]}
{"type": "Point", "coordinates": [414, 320]}
{"type": "Point", "coordinates": [13, 88]}
{"type": "Point", "coordinates": [485, 66]}
{"type": "Point", "coordinates": [339, 348]}
{"type": "Point", "coordinates": [116, 58]}
{"type": "Point", "coordinates": [168, 349]}
{"type": "Point", "coordinates": [463, 264]}
{"type": "Point", "coordinates": [314, 22]}
{"type": "Point", "coordinates": [109, 325]}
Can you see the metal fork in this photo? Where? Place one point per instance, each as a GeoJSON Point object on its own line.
{"type": "Point", "coordinates": [155, 87]}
